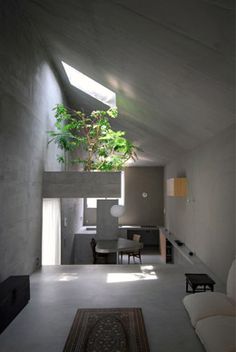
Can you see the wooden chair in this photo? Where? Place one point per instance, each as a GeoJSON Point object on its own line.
{"type": "Point", "coordinates": [136, 254]}
{"type": "Point", "coordinates": [97, 256]}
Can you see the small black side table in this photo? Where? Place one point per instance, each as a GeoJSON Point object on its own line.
{"type": "Point", "coordinates": [199, 283]}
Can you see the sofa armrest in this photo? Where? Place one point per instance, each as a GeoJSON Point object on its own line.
{"type": "Point", "coordinates": [207, 304]}
{"type": "Point", "coordinates": [217, 333]}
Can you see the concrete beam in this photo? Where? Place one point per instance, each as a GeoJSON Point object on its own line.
{"type": "Point", "coordinates": [81, 184]}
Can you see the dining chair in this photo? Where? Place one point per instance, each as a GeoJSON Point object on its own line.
{"type": "Point", "coordinates": [97, 256]}
{"type": "Point", "coordinates": [134, 254]}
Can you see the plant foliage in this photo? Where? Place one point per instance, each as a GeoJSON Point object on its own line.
{"type": "Point", "coordinates": [91, 135]}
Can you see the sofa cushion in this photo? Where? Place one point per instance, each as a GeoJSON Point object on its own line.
{"type": "Point", "coordinates": [205, 304]}
{"type": "Point", "coordinates": [217, 333]}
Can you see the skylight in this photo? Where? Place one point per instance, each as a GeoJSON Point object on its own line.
{"type": "Point", "coordinates": [89, 86]}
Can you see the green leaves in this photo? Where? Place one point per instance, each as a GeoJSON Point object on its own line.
{"type": "Point", "coordinates": [106, 149]}
{"type": "Point", "coordinates": [112, 112]}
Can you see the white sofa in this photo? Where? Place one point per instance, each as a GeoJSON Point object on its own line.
{"type": "Point", "coordinates": [217, 333]}
{"type": "Point", "coordinates": [213, 315]}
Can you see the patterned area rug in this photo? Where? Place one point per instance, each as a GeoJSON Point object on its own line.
{"type": "Point", "coordinates": [108, 330]}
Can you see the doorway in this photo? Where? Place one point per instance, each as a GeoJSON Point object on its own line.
{"type": "Point", "coordinates": [51, 231]}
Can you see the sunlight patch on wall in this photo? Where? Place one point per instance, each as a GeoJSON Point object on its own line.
{"type": "Point", "coordinates": [89, 86]}
{"type": "Point", "coordinates": [121, 86]}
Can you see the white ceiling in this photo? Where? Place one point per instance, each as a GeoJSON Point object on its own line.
{"type": "Point", "coordinates": [171, 64]}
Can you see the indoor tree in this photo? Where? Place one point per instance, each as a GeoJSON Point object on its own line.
{"type": "Point", "coordinates": [91, 136]}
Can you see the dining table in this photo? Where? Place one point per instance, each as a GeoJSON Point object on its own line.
{"type": "Point", "coordinates": [118, 245]}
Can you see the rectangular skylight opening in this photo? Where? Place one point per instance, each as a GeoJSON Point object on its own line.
{"type": "Point", "coordinates": [89, 86]}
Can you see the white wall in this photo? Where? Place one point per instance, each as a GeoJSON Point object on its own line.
{"type": "Point", "coordinates": [206, 224]}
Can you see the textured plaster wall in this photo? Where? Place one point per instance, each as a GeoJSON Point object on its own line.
{"type": "Point", "coordinates": [28, 91]}
{"type": "Point", "coordinates": [205, 221]}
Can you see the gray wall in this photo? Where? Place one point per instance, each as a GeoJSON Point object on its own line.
{"type": "Point", "coordinates": [90, 215]}
{"type": "Point", "coordinates": [205, 220]}
{"type": "Point", "coordinates": [28, 91]}
{"type": "Point", "coordinates": [107, 225]}
{"type": "Point", "coordinates": [139, 210]}
{"type": "Point", "coordinates": [81, 184]}
{"type": "Point", "coordinates": [71, 222]}
{"type": "Point", "coordinates": [171, 63]}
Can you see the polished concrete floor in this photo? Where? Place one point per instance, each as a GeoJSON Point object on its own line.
{"type": "Point", "coordinates": [57, 292]}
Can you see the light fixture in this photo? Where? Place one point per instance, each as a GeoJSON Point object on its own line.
{"type": "Point", "coordinates": [117, 210]}
{"type": "Point", "coordinates": [144, 194]}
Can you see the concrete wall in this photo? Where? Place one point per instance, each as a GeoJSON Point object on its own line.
{"type": "Point", "coordinates": [29, 90]}
{"type": "Point", "coordinates": [205, 220]}
{"type": "Point", "coordinates": [140, 210]}
{"type": "Point", "coordinates": [82, 249]}
{"type": "Point", "coordinates": [71, 222]}
{"type": "Point", "coordinates": [90, 215]}
{"type": "Point", "coordinates": [81, 184]}
{"type": "Point", "coordinates": [107, 225]}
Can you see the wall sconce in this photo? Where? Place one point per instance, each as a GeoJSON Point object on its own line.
{"type": "Point", "coordinates": [144, 194]}
{"type": "Point", "coordinates": [117, 210]}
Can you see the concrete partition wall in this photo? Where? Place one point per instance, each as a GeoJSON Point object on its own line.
{"type": "Point", "coordinates": [139, 210]}
{"type": "Point", "coordinates": [71, 222]}
{"type": "Point", "coordinates": [29, 90]}
{"type": "Point", "coordinates": [143, 196]}
{"type": "Point", "coordinates": [205, 219]}
{"type": "Point", "coordinates": [107, 225]}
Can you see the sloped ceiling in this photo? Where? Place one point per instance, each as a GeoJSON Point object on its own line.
{"type": "Point", "coordinates": [170, 62]}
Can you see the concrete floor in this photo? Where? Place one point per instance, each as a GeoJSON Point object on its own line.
{"type": "Point", "coordinates": [57, 292]}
